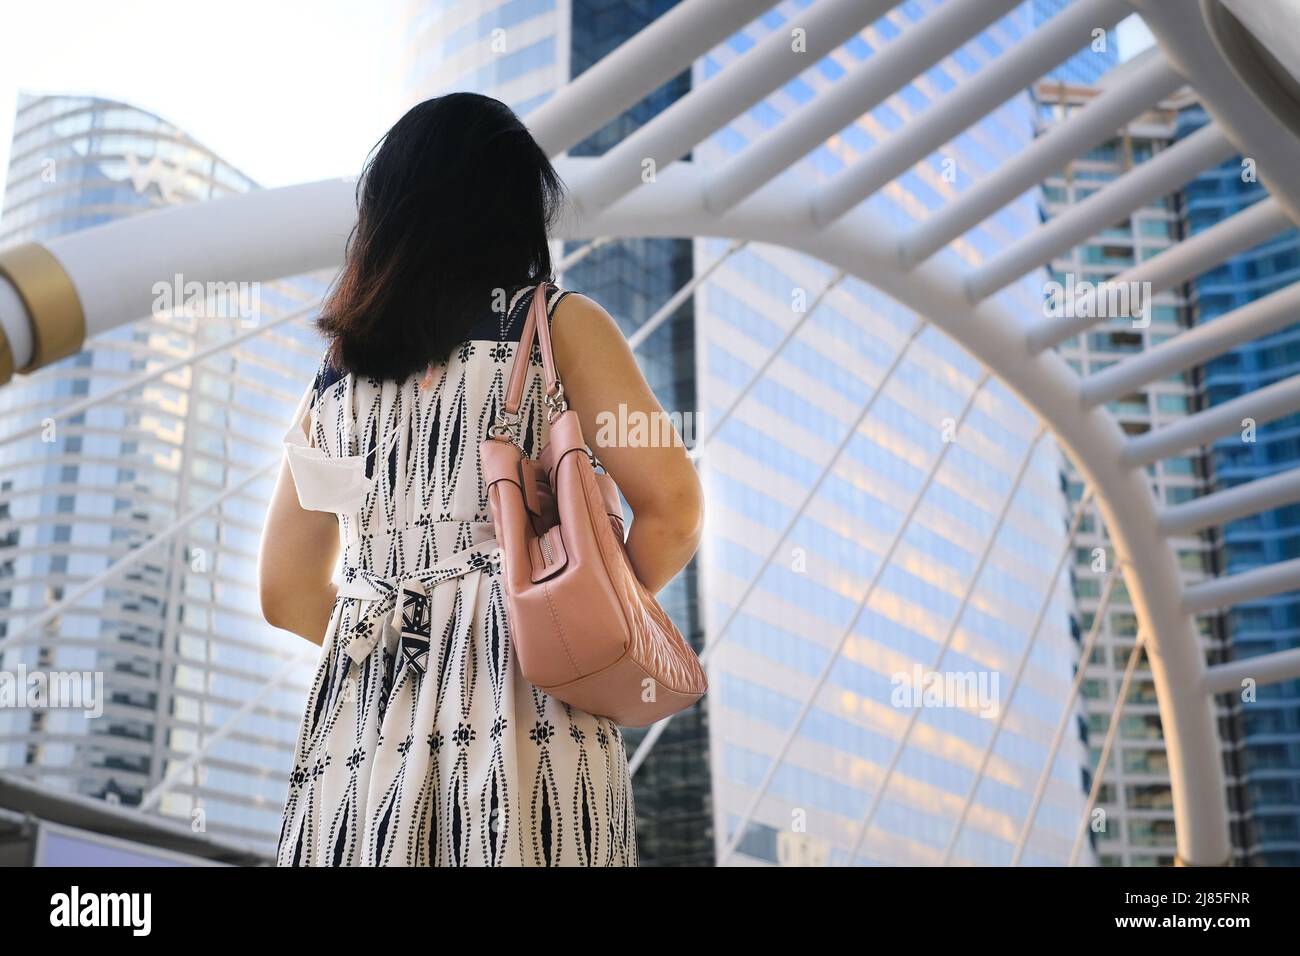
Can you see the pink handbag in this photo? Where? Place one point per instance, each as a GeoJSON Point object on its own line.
{"type": "Point", "coordinates": [585, 630]}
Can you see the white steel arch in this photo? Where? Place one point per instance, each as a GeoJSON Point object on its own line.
{"type": "Point", "coordinates": [102, 278]}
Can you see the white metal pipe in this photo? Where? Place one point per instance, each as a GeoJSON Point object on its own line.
{"type": "Point", "coordinates": [1168, 169]}
{"type": "Point", "coordinates": [1218, 508]}
{"type": "Point", "coordinates": [1233, 589]}
{"type": "Point", "coordinates": [1266, 404]}
{"type": "Point", "coordinates": [252, 237]}
{"type": "Point", "coordinates": [1234, 108]}
{"type": "Point", "coordinates": [1151, 81]}
{"type": "Point", "coordinates": [870, 84]}
{"type": "Point", "coordinates": [1064, 34]}
{"type": "Point", "coordinates": [654, 55]}
{"type": "Point", "coordinates": [1271, 668]}
{"type": "Point", "coordinates": [1196, 346]}
{"type": "Point", "coordinates": [577, 255]}
{"type": "Point", "coordinates": [706, 109]}
{"type": "Point", "coordinates": [1182, 261]}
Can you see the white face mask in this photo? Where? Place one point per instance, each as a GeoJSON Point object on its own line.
{"type": "Point", "coordinates": [324, 483]}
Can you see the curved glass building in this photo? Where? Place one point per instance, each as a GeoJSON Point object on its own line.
{"type": "Point", "coordinates": [196, 688]}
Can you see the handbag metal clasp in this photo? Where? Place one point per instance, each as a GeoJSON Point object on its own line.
{"type": "Point", "coordinates": [505, 427]}
{"type": "Point", "coordinates": [556, 404]}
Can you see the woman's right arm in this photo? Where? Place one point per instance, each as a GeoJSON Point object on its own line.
{"type": "Point", "coordinates": [295, 563]}
{"type": "Point", "coordinates": [601, 378]}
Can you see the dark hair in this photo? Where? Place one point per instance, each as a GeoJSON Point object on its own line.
{"type": "Point", "coordinates": [454, 203]}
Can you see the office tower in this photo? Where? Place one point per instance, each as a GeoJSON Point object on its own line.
{"type": "Point", "coordinates": [520, 53]}
{"type": "Point", "coordinates": [1135, 796]}
{"type": "Point", "coordinates": [1269, 721]}
{"type": "Point", "coordinates": [517, 51]}
{"type": "Point", "coordinates": [189, 668]}
{"type": "Point", "coordinates": [801, 623]}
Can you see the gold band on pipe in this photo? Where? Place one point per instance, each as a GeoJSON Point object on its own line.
{"type": "Point", "coordinates": [58, 320]}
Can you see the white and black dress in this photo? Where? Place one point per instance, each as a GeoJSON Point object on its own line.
{"type": "Point", "coordinates": [422, 744]}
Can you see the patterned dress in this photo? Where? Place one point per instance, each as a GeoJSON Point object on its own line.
{"type": "Point", "coordinates": [422, 744]}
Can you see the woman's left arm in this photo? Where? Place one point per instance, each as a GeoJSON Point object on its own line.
{"type": "Point", "coordinates": [295, 563]}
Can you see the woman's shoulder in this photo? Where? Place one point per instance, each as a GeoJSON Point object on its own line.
{"type": "Point", "coordinates": [580, 324]}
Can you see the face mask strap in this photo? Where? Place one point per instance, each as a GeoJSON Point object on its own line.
{"type": "Point", "coordinates": [349, 426]}
{"type": "Point", "coordinates": [313, 418]}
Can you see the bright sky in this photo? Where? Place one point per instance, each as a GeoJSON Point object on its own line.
{"type": "Point", "coordinates": [288, 91]}
{"type": "Point", "coordinates": [1133, 36]}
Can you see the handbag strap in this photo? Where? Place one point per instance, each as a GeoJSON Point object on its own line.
{"type": "Point", "coordinates": [536, 326]}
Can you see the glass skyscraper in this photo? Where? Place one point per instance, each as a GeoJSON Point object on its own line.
{"type": "Point", "coordinates": [515, 50]}
{"type": "Point", "coordinates": [1270, 724]}
{"type": "Point", "coordinates": [779, 441]}
{"type": "Point", "coordinates": [178, 636]}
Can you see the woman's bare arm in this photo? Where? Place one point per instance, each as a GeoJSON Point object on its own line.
{"type": "Point", "coordinates": [603, 382]}
{"type": "Point", "coordinates": [296, 561]}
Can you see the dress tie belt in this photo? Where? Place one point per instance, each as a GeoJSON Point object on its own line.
{"type": "Point", "coordinates": [406, 598]}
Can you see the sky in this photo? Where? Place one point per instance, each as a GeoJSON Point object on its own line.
{"type": "Point", "coordinates": [1133, 36]}
{"type": "Point", "coordinates": [288, 91]}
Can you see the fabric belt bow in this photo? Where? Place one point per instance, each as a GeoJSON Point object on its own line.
{"type": "Point", "coordinates": [406, 598]}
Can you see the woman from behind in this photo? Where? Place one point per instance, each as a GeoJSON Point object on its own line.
{"type": "Point", "coordinates": [422, 744]}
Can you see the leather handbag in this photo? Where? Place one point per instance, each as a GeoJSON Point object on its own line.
{"type": "Point", "coordinates": [584, 629]}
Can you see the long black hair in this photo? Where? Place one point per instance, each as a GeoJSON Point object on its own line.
{"type": "Point", "coordinates": [454, 204]}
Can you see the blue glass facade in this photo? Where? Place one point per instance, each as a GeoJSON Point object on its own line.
{"type": "Point", "coordinates": [1270, 725]}
{"type": "Point", "coordinates": [1087, 66]}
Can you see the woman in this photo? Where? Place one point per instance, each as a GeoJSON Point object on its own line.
{"type": "Point", "coordinates": [423, 745]}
